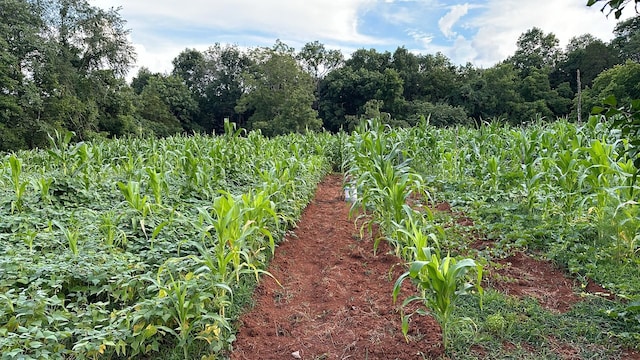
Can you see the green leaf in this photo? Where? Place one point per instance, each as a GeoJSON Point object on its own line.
{"type": "Point", "coordinates": [610, 100]}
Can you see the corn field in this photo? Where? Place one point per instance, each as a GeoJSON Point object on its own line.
{"type": "Point", "coordinates": [558, 188]}
{"type": "Point", "coordinates": [116, 249]}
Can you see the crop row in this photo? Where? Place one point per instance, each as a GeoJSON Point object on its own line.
{"type": "Point", "coordinates": [560, 188]}
{"type": "Point", "coordinates": [134, 246]}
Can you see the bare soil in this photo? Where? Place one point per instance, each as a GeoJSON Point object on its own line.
{"type": "Point", "coordinates": [523, 276]}
{"type": "Point", "coordinates": [333, 300]}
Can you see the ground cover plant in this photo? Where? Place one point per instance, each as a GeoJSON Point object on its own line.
{"type": "Point", "coordinates": [558, 191]}
{"type": "Point", "coordinates": [131, 247]}
{"type": "Point", "coordinates": [134, 247]}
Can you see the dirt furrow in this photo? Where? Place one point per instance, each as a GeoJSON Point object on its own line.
{"type": "Point", "coordinates": [334, 301]}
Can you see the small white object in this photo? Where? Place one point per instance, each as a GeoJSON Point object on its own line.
{"type": "Point", "coordinates": [296, 355]}
{"type": "Point", "coordinates": [350, 194]}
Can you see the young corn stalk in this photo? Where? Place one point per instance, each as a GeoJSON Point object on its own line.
{"type": "Point", "coordinates": [72, 235]}
{"type": "Point", "coordinates": [137, 202]}
{"type": "Point", "coordinates": [441, 282]}
{"type": "Point", "coordinates": [188, 303]}
{"type": "Point", "coordinates": [19, 187]}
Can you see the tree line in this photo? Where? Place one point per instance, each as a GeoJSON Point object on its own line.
{"type": "Point", "coordinates": [63, 65]}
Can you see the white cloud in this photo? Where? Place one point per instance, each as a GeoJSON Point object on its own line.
{"type": "Point", "coordinates": [401, 16]}
{"type": "Point", "coordinates": [158, 28]}
{"type": "Point", "coordinates": [447, 22]}
{"type": "Point", "coordinates": [485, 32]}
{"type": "Point", "coordinates": [327, 19]}
{"type": "Point", "coordinates": [421, 37]}
{"type": "Point", "coordinates": [503, 21]}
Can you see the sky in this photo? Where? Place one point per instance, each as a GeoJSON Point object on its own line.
{"type": "Point", "coordinates": [480, 32]}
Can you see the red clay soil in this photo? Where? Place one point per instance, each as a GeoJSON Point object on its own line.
{"type": "Point", "coordinates": [335, 300]}
{"type": "Point", "coordinates": [521, 275]}
{"type": "Point", "coordinates": [524, 276]}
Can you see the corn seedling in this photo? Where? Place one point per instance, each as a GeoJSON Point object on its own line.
{"type": "Point", "coordinates": [72, 236]}
{"type": "Point", "coordinates": [441, 282]}
{"type": "Point", "coordinates": [19, 186]}
{"type": "Point", "coordinates": [187, 304]}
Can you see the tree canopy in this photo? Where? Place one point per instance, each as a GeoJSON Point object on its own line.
{"type": "Point", "coordinates": [63, 65]}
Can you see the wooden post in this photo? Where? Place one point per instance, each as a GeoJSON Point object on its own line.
{"type": "Point", "coordinates": [579, 98]}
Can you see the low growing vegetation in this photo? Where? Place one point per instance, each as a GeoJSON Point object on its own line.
{"type": "Point", "coordinates": [132, 248]}
{"type": "Point", "coordinates": [559, 191]}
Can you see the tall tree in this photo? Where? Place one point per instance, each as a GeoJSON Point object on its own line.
{"type": "Point", "coordinates": [408, 67]}
{"type": "Point", "coordinates": [345, 92]}
{"type": "Point", "coordinates": [278, 93]}
{"type": "Point", "coordinates": [585, 53]}
{"type": "Point", "coordinates": [370, 60]}
{"type": "Point", "coordinates": [318, 60]}
{"type": "Point", "coordinates": [439, 78]}
{"type": "Point", "coordinates": [166, 104]}
{"type": "Point", "coordinates": [536, 50]}
{"type": "Point", "coordinates": [215, 80]}
{"type": "Point", "coordinates": [86, 45]}
{"type": "Point", "coordinates": [191, 66]}
{"type": "Point", "coordinates": [627, 39]}
{"type": "Point", "coordinates": [20, 27]}
{"type": "Point", "coordinates": [498, 92]}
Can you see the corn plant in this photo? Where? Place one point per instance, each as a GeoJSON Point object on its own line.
{"type": "Point", "coordinates": [627, 220]}
{"type": "Point", "coordinates": [109, 229]}
{"type": "Point", "coordinates": [158, 185]}
{"type": "Point", "coordinates": [19, 186]}
{"type": "Point", "coordinates": [383, 176]}
{"type": "Point", "coordinates": [28, 237]}
{"type": "Point", "coordinates": [137, 202]}
{"type": "Point", "coordinates": [415, 241]}
{"type": "Point", "coordinates": [441, 282]}
{"type": "Point", "coordinates": [72, 235]}
{"type": "Point", "coordinates": [261, 210]}
{"type": "Point", "coordinates": [60, 150]}
{"type": "Point", "coordinates": [43, 186]}
{"type": "Point", "coordinates": [188, 304]}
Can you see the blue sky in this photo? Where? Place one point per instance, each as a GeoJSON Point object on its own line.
{"type": "Point", "coordinates": [482, 32]}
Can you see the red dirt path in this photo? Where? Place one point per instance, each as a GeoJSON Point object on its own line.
{"type": "Point", "coordinates": [335, 299]}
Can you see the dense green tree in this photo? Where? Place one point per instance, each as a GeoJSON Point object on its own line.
{"type": "Point", "coordinates": [318, 60]}
{"type": "Point", "coordinates": [278, 94]}
{"type": "Point", "coordinates": [536, 50]}
{"type": "Point", "coordinates": [370, 60]}
{"type": "Point", "coordinates": [438, 114]}
{"type": "Point", "coordinates": [215, 80]}
{"type": "Point", "coordinates": [408, 67]}
{"type": "Point", "coordinates": [83, 47]}
{"type": "Point", "coordinates": [627, 39]}
{"type": "Point", "coordinates": [468, 94]}
{"type": "Point", "coordinates": [166, 104]}
{"type": "Point", "coordinates": [20, 47]}
{"type": "Point", "coordinates": [89, 37]}
{"type": "Point", "coordinates": [116, 104]}
{"type": "Point", "coordinates": [191, 66]}
{"type": "Point", "coordinates": [497, 92]}
{"type": "Point", "coordinates": [141, 80]}
{"type": "Point", "coordinates": [621, 81]}
{"type": "Point", "coordinates": [439, 80]}
{"type": "Point", "coordinates": [585, 53]}
{"type": "Point", "coordinates": [154, 114]}
{"type": "Point", "coordinates": [345, 91]}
